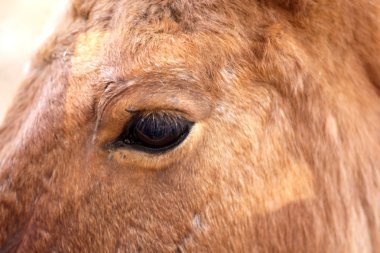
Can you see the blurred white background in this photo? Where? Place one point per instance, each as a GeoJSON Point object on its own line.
{"type": "Point", "coordinates": [23, 25]}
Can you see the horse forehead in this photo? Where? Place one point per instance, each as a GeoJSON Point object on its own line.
{"type": "Point", "coordinates": [144, 33]}
{"type": "Point", "coordinates": [103, 50]}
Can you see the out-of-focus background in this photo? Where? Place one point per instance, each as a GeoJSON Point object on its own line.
{"type": "Point", "coordinates": [23, 26]}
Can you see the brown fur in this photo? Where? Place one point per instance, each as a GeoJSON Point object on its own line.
{"type": "Point", "coordinates": [284, 155]}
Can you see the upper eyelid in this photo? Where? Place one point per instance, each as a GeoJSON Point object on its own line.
{"type": "Point", "coordinates": [115, 87]}
{"type": "Point", "coordinates": [185, 91]}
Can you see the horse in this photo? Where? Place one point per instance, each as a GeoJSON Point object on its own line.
{"type": "Point", "coordinates": [197, 126]}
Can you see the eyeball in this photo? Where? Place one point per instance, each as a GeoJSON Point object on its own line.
{"type": "Point", "coordinates": [155, 132]}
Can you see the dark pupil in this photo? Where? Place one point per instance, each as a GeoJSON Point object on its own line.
{"type": "Point", "coordinates": [157, 131]}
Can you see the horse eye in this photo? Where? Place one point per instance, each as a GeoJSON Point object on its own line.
{"type": "Point", "coordinates": [155, 132]}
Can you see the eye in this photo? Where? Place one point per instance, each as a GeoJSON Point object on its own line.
{"type": "Point", "coordinates": [155, 132]}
